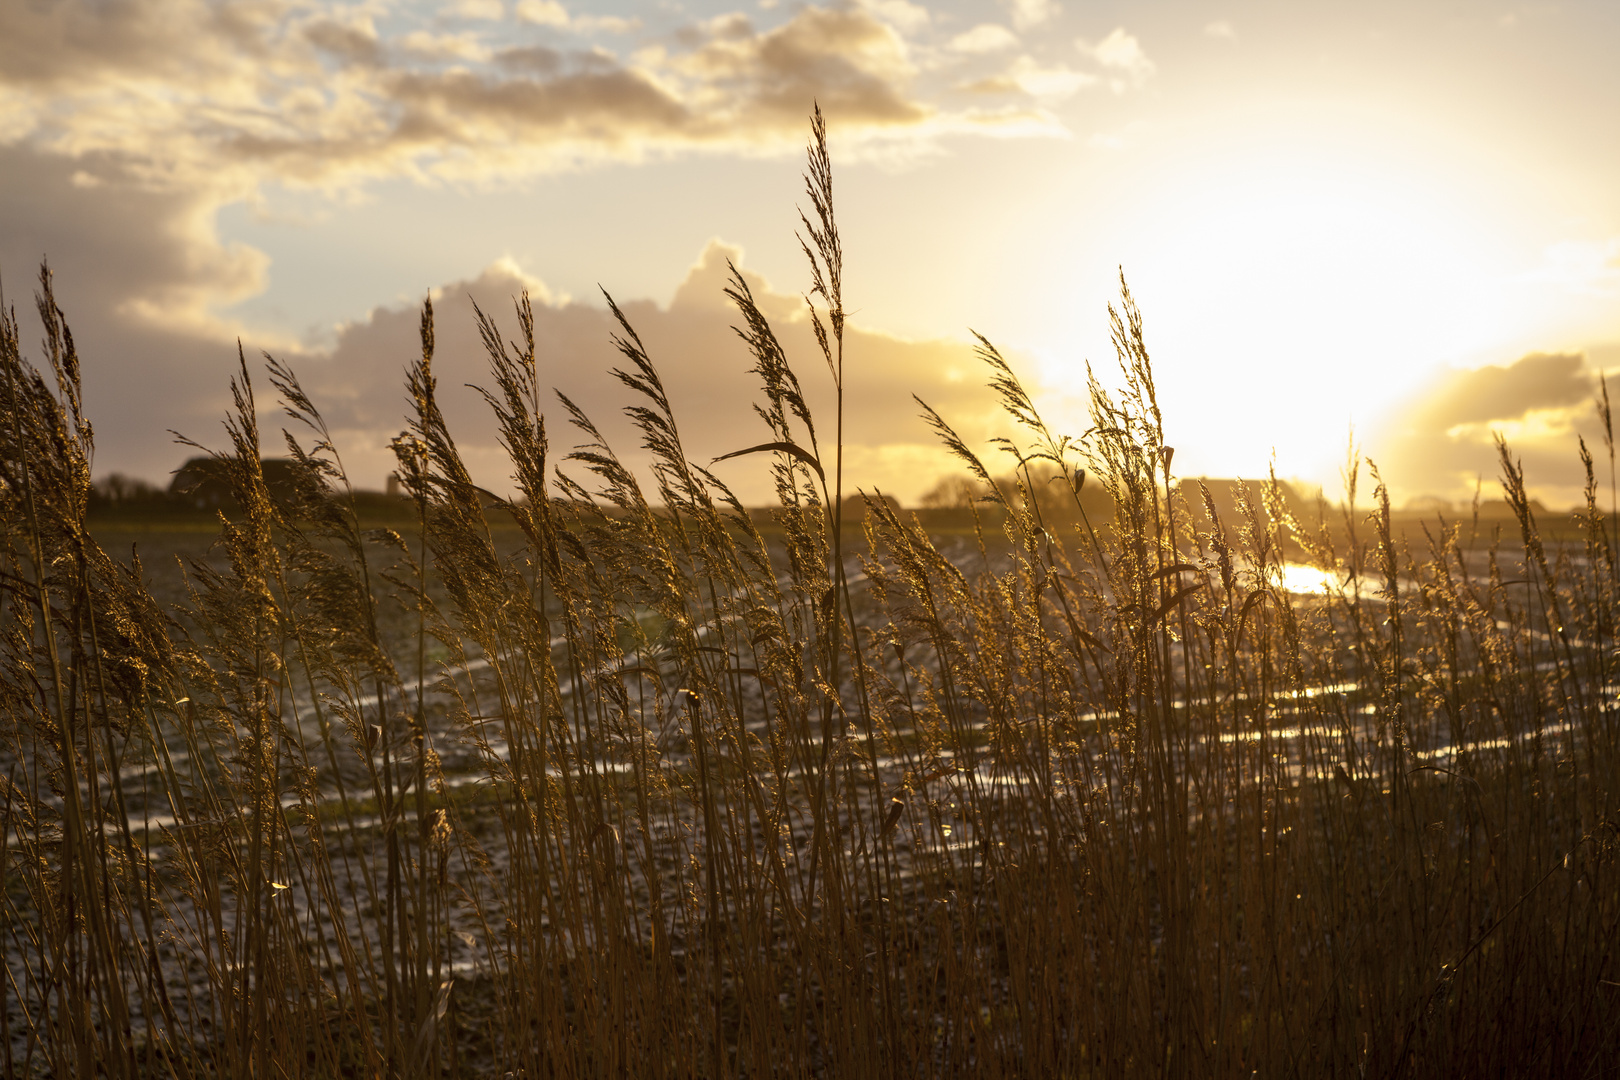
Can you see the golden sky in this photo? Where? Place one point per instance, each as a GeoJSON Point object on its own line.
{"type": "Point", "coordinates": [1399, 216]}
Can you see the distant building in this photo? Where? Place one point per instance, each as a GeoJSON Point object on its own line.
{"type": "Point", "coordinates": [1501, 509]}
{"type": "Point", "coordinates": [202, 481]}
{"type": "Point", "coordinates": [1428, 505]}
{"type": "Point", "coordinates": [855, 506]}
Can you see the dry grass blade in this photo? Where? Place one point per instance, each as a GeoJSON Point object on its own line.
{"type": "Point", "coordinates": [793, 449]}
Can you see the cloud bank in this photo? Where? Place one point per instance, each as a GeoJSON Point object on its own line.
{"type": "Point", "coordinates": [183, 107]}
{"type": "Point", "coordinates": [144, 382]}
{"type": "Point", "coordinates": [703, 363]}
{"type": "Point", "coordinates": [225, 96]}
{"type": "Point", "coordinates": [1443, 443]}
{"type": "Point", "coordinates": [127, 125]}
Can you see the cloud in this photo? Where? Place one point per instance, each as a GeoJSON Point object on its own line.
{"type": "Point", "coordinates": [704, 366]}
{"type": "Point", "coordinates": [126, 127]}
{"type": "Point", "coordinates": [431, 45]}
{"type": "Point", "coordinates": [133, 252]}
{"type": "Point", "coordinates": [904, 16]}
{"type": "Point", "coordinates": [1028, 13]}
{"type": "Point", "coordinates": [1122, 56]}
{"type": "Point", "coordinates": [1220, 28]}
{"type": "Point", "coordinates": [531, 60]}
{"type": "Point", "coordinates": [120, 256]}
{"type": "Point", "coordinates": [492, 10]}
{"type": "Point", "coordinates": [152, 255]}
{"type": "Point", "coordinates": [1581, 267]}
{"type": "Point", "coordinates": [984, 38]}
{"type": "Point", "coordinates": [1028, 76]}
{"type": "Point", "coordinates": [1444, 440]}
{"type": "Point", "coordinates": [542, 12]}
{"type": "Point", "coordinates": [230, 98]}
{"type": "Point", "coordinates": [853, 64]}
{"type": "Point", "coordinates": [552, 13]}
{"type": "Point", "coordinates": [1535, 382]}
{"type": "Point", "coordinates": [350, 43]}
{"type": "Point", "coordinates": [82, 45]}
{"type": "Point", "coordinates": [235, 96]}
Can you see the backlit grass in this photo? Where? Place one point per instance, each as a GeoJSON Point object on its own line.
{"type": "Point", "coordinates": [654, 792]}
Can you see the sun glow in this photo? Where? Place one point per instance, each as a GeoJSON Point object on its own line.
{"type": "Point", "coordinates": [1308, 580]}
{"type": "Point", "coordinates": [1335, 292]}
{"type": "Point", "coordinates": [1298, 284]}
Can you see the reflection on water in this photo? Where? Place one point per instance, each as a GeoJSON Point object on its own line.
{"type": "Point", "coordinates": [1308, 580]}
{"type": "Point", "coordinates": [1302, 580]}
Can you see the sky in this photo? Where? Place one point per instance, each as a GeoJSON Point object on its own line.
{"type": "Point", "coordinates": [1397, 223]}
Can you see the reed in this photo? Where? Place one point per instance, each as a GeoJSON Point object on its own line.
{"type": "Point", "coordinates": [606, 779]}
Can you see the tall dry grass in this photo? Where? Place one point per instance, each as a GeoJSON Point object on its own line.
{"type": "Point", "coordinates": [607, 780]}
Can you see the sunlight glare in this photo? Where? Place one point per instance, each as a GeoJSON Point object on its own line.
{"type": "Point", "coordinates": [1307, 580]}
{"type": "Point", "coordinates": [1296, 284]}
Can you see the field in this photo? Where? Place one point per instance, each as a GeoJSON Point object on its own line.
{"type": "Point", "coordinates": [618, 778]}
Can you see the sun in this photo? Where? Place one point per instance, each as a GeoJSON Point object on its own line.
{"type": "Point", "coordinates": [1296, 283]}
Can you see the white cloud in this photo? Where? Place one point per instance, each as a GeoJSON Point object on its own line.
{"type": "Point", "coordinates": [1047, 83]}
{"type": "Point", "coordinates": [607, 24]}
{"type": "Point", "coordinates": [172, 95]}
{"type": "Point", "coordinates": [1581, 267]}
{"type": "Point", "coordinates": [542, 12]}
{"type": "Point", "coordinates": [440, 46]}
{"type": "Point", "coordinates": [703, 365]}
{"type": "Point", "coordinates": [984, 38]}
{"type": "Point", "coordinates": [855, 66]}
{"type": "Point", "coordinates": [552, 13]}
{"type": "Point", "coordinates": [121, 255]}
{"type": "Point", "coordinates": [492, 10]}
{"type": "Point", "coordinates": [904, 16]}
{"type": "Point", "coordinates": [1028, 13]}
{"type": "Point", "coordinates": [1121, 55]}
{"type": "Point", "coordinates": [1220, 28]}
{"type": "Point", "coordinates": [146, 118]}
{"type": "Point", "coordinates": [1443, 439]}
